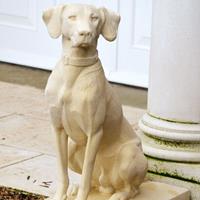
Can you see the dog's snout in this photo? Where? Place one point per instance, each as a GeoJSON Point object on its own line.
{"type": "Point", "coordinates": [85, 33]}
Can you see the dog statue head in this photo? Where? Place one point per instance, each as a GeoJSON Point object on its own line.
{"type": "Point", "coordinates": [81, 24]}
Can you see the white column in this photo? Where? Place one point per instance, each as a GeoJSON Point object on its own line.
{"type": "Point", "coordinates": [174, 86]}
{"type": "Point", "coordinates": [170, 130]}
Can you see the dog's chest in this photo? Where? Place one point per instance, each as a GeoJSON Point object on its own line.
{"type": "Point", "coordinates": [79, 104]}
{"type": "Point", "coordinates": [74, 95]}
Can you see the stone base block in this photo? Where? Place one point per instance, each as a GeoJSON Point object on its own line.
{"type": "Point", "coordinates": [194, 188]}
{"type": "Point", "coordinates": [150, 191]}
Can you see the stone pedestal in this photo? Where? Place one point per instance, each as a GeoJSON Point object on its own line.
{"type": "Point", "coordinates": [171, 128]}
{"type": "Point", "coordinates": [149, 191]}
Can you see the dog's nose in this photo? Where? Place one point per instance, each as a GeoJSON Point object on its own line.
{"type": "Point", "coordinates": [85, 33]}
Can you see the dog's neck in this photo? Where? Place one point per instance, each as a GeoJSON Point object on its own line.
{"type": "Point", "coordinates": [79, 56]}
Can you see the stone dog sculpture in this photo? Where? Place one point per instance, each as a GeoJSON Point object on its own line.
{"type": "Point", "coordinates": [93, 138]}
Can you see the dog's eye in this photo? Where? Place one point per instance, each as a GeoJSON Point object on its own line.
{"type": "Point", "coordinates": [94, 18]}
{"type": "Point", "coordinates": [72, 17]}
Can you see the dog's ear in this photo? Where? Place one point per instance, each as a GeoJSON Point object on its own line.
{"type": "Point", "coordinates": [110, 24]}
{"type": "Point", "coordinates": [52, 19]}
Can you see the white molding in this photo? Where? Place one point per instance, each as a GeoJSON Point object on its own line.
{"type": "Point", "coordinates": [133, 44]}
{"type": "Point", "coordinates": [178, 156]}
{"type": "Point", "coordinates": [170, 131]}
{"type": "Point", "coordinates": [24, 22]}
{"type": "Point", "coordinates": [127, 78]}
{"type": "Point", "coordinates": [140, 38]}
{"type": "Point", "coordinates": [28, 59]}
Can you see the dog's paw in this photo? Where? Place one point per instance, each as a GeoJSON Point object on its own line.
{"type": "Point", "coordinates": [106, 190]}
{"type": "Point", "coordinates": [72, 190]}
{"type": "Point", "coordinates": [64, 197]}
{"type": "Point", "coordinates": [120, 196]}
{"type": "Point", "coordinates": [59, 195]}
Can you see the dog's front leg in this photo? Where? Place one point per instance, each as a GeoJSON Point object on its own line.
{"type": "Point", "coordinates": [88, 165]}
{"type": "Point", "coordinates": [62, 163]}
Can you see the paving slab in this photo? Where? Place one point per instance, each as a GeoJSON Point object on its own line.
{"type": "Point", "coordinates": [23, 100]}
{"type": "Point", "coordinates": [37, 175]}
{"type": "Point", "coordinates": [27, 132]}
{"type": "Point", "coordinates": [31, 175]}
{"type": "Point", "coordinates": [4, 113]}
{"type": "Point", "coordinates": [11, 155]}
{"type": "Point", "coordinates": [133, 115]}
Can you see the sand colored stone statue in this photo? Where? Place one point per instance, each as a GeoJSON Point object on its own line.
{"type": "Point", "coordinates": [93, 137]}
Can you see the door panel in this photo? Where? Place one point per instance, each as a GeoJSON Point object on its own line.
{"type": "Point", "coordinates": [23, 39]}
{"type": "Point", "coordinates": [133, 43]}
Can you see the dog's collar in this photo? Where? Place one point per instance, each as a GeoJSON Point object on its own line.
{"type": "Point", "coordinates": [80, 62]}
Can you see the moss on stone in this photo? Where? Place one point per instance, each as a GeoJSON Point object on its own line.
{"type": "Point", "coordinates": [171, 120]}
{"type": "Point", "coordinates": [183, 146]}
{"type": "Point", "coordinates": [173, 174]}
{"type": "Point", "coordinates": [166, 174]}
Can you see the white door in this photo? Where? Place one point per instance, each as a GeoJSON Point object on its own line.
{"type": "Point", "coordinates": [24, 39]}
{"type": "Point", "coordinates": [133, 43]}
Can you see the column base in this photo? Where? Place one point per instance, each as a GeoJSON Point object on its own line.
{"type": "Point", "coordinates": [170, 140]}
{"type": "Point", "coordinates": [173, 151]}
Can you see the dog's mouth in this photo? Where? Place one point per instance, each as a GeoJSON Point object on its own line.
{"type": "Point", "coordinates": [82, 42]}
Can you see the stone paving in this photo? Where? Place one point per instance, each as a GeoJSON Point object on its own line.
{"type": "Point", "coordinates": [27, 156]}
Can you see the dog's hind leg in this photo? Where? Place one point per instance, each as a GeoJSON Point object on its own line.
{"type": "Point", "coordinates": [123, 195]}
{"type": "Point", "coordinates": [132, 169]}
{"type": "Point", "coordinates": [126, 193]}
{"type": "Point", "coordinates": [105, 186]}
